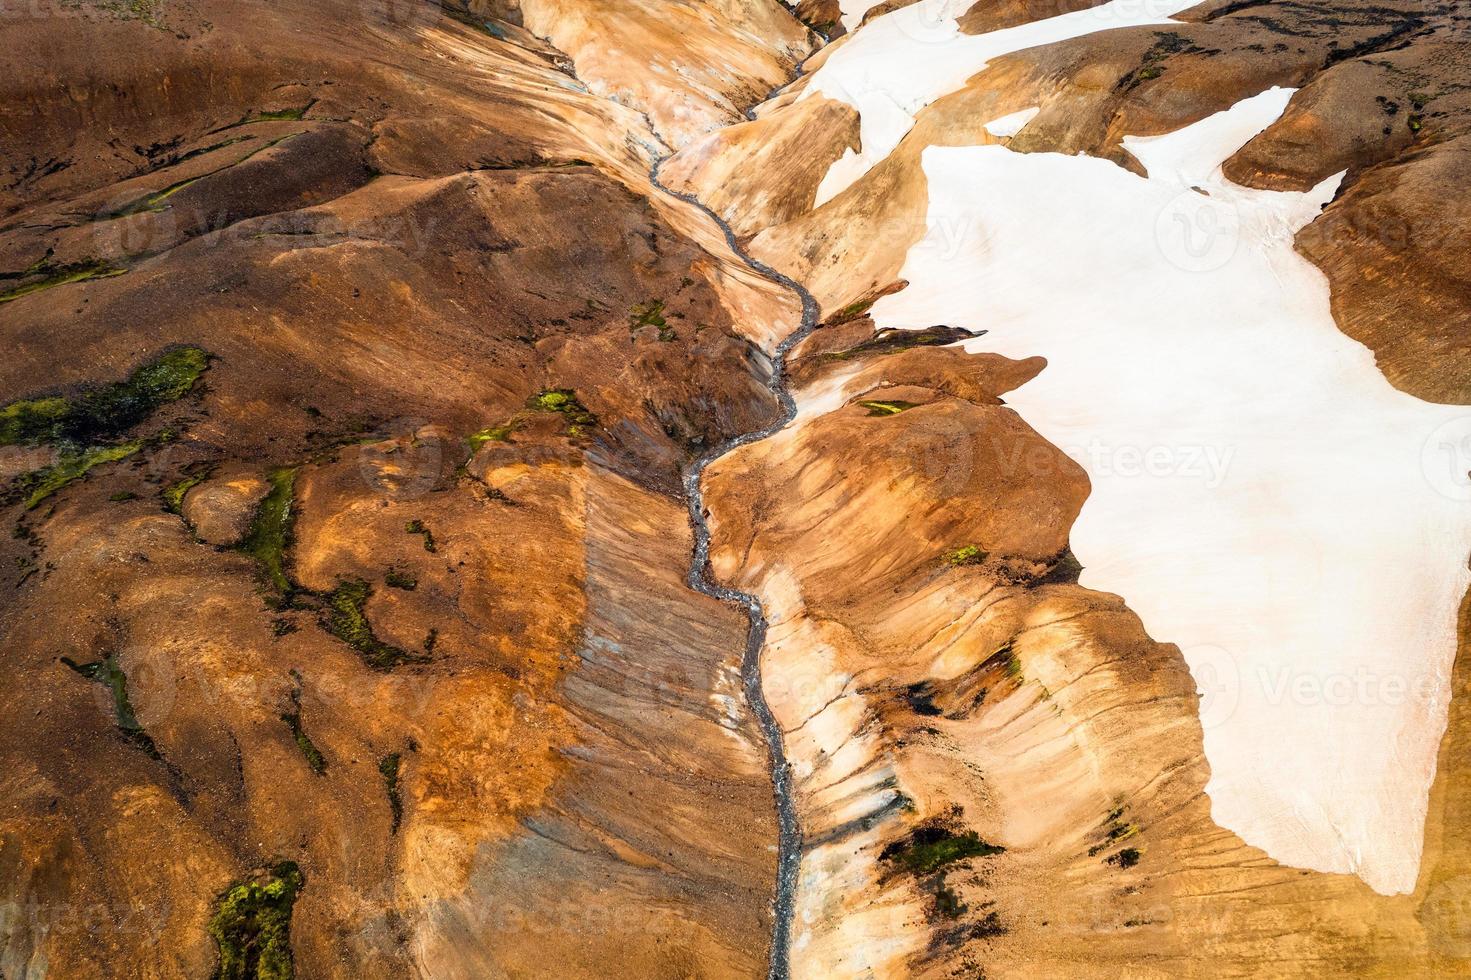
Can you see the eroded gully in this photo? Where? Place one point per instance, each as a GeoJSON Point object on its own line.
{"type": "Point", "coordinates": [789, 842]}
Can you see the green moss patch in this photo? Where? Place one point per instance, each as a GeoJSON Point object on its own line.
{"type": "Point", "coordinates": [278, 115]}
{"type": "Point", "coordinates": [270, 532]}
{"type": "Point", "coordinates": [564, 402]}
{"type": "Point", "coordinates": [400, 580]}
{"type": "Point", "coordinates": [109, 673]}
{"type": "Point", "coordinates": [418, 527]}
{"type": "Point", "coordinates": [388, 766]}
{"type": "Point", "coordinates": [40, 484]}
{"type": "Point", "coordinates": [1166, 44]}
{"type": "Point", "coordinates": [853, 310]}
{"type": "Point", "coordinates": [932, 847]}
{"type": "Point", "coordinates": [968, 554]}
{"type": "Point", "coordinates": [31, 420]}
{"type": "Point", "coordinates": [877, 408]}
{"type": "Point", "coordinates": [252, 925]}
{"type": "Point", "coordinates": [1013, 666]}
{"type": "Point", "coordinates": [494, 433]}
{"type": "Point", "coordinates": [650, 314]}
{"type": "Point", "coordinates": [344, 619]}
{"type": "Point", "coordinates": [104, 413]}
{"type": "Point", "coordinates": [272, 115]}
{"type": "Point", "coordinates": [292, 718]}
{"type": "Point", "coordinates": [49, 276]}
{"type": "Point", "coordinates": [174, 493]}
{"type": "Point", "coordinates": [153, 201]}
{"type": "Point", "coordinates": [1117, 834]}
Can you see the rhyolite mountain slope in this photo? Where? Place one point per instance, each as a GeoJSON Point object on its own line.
{"type": "Point", "coordinates": [998, 770]}
{"type": "Point", "coordinates": [355, 360]}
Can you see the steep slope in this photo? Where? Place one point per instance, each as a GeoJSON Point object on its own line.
{"type": "Point", "coordinates": [357, 363]}
{"type": "Point", "coordinates": [1381, 95]}
{"type": "Point", "coordinates": [1000, 770]}
{"type": "Point", "coordinates": [354, 364]}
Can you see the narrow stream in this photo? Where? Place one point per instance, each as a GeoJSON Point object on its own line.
{"type": "Point", "coordinates": [789, 842]}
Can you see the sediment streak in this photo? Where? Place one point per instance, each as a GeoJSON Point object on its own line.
{"type": "Point", "coordinates": [789, 843]}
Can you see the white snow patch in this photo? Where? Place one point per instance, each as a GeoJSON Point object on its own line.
{"type": "Point", "coordinates": [901, 62]}
{"type": "Point", "coordinates": [1261, 495]}
{"type": "Point", "coordinates": [853, 11]}
{"type": "Point", "coordinates": [1009, 125]}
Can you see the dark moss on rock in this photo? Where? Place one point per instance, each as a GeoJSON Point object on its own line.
{"type": "Point", "coordinates": [46, 276]}
{"type": "Point", "coordinates": [400, 580]}
{"type": "Point", "coordinates": [885, 408]}
{"type": "Point", "coordinates": [1126, 858]}
{"type": "Point", "coordinates": [270, 533]}
{"type": "Point", "coordinates": [564, 402]}
{"type": "Point", "coordinates": [252, 925]}
{"type": "Point", "coordinates": [968, 554]}
{"type": "Point", "coordinates": [174, 493]}
{"type": "Point", "coordinates": [388, 766]}
{"type": "Point", "coordinates": [292, 718]}
{"type": "Point", "coordinates": [934, 846]}
{"type": "Point", "coordinates": [109, 673]}
{"type": "Point", "coordinates": [344, 618]}
{"type": "Point", "coordinates": [37, 485]}
{"type": "Point", "coordinates": [893, 341]}
{"type": "Point", "coordinates": [418, 527]}
{"type": "Point", "coordinates": [104, 413]}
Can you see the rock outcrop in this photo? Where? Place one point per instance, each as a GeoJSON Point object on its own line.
{"type": "Point", "coordinates": [355, 362]}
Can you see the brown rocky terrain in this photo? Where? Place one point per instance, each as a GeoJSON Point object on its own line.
{"type": "Point", "coordinates": [1000, 770]}
{"type": "Point", "coordinates": [356, 363]}
{"type": "Point", "coordinates": [1381, 96]}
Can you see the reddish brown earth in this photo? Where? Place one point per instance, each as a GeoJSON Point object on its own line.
{"type": "Point", "coordinates": [477, 704]}
{"type": "Point", "coordinates": [390, 228]}
{"type": "Point", "coordinates": [1382, 96]}
{"type": "Point", "coordinates": [930, 690]}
